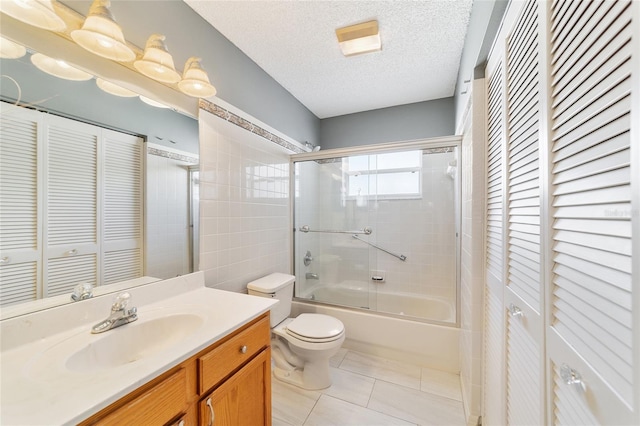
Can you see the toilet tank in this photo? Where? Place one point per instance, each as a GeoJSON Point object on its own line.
{"type": "Point", "coordinates": [278, 286]}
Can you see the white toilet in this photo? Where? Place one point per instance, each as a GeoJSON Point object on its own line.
{"type": "Point", "coordinates": [300, 347]}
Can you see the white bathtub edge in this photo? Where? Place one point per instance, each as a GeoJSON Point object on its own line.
{"type": "Point", "coordinates": [427, 345]}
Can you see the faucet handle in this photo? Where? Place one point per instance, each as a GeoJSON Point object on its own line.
{"type": "Point", "coordinates": [121, 302]}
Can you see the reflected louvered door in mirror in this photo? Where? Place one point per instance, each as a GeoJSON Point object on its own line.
{"type": "Point", "coordinates": [122, 239]}
{"type": "Point", "coordinates": [523, 293]}
{"type": "Point", "coordinates": [72, 205]}
{"type": "Point", "coordinates": [589, 337]}
{"type": "Point", "coordinates": [20, 251]}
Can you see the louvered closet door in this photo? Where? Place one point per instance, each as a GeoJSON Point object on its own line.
{"type": "Point", "coordinates": [72, 219]}
{"type": "Point", "coordinates": [523, 291]}
{"type": "Point", "coordinates": [20, 146]}
{"type": "Point", "coordinates": [122, 236]}
{"type": "Point", "coordinates": [493, 383]}
{"type": "Point", "coordinates": [591, 328]}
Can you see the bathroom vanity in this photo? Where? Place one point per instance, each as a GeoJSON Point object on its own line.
{"type": "Point", "coordinates": [230, 381]}
{"type": "Point", "coordinates": [194, 354]}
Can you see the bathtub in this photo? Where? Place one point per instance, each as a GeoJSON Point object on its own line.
{"type": "Point", "coordinates": [403, 339]}
{"type": "Point", "coordinates": [406, 304]}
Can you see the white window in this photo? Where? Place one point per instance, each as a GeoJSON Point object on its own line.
{"type": "Point", "coordinates": [395, 175]}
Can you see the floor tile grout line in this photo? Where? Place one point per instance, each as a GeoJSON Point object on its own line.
{"type": "Point", "coordinates": [421, 391]}
{"type": "Point", "coordinates": [367, 408]}
{"type": "Point", "coordinates": [312, 408]}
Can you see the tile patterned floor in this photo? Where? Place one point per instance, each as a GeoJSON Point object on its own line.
{"type": "Point", "coordinates": [368, 390]}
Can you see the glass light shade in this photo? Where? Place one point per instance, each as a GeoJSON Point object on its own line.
{"type": "Point", "coordinates": [38, 13]}
{"type": "Point", "coordinates": [11, 50]}
{"type": "Point", "coordinates": [114, 89]}
{"type": "Point", "coordinates": [359, 38]}
{"type": "Point", "coordinates": [157, 63]}
{"type": "Point", "coordinates": [361, 45]}
{"type": "Point", "coordinates": [195, 81]}
{"type": "Point", "coordinates": [58, 68]}
{"type": "Point", "coordinates": [152, 102]}
{"type": "Point", "coordinates": [101, 35]}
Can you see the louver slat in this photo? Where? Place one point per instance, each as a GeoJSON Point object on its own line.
{"type": "Point", "coordinates": [123, 190]}
{"type": "Point", "coordinates": [592, 197]}
{"type": "Point", "coordinates": [523, 381]}
{"type": "Point", "coordinates": [569, 408]}
{"type": "Point", "coordinates": [64, 273]}
{"type": "Point", "coordinates": [18, 283]}
{"type": "Point", "coordinates": [72, 186]}
{"type": "Point", "coordinates": [122, 208]}
{"type": "Point", "coordinates": [493, 356]}
{"type": "Point", "coordinates": [18, 183]}
{"type": "Point", "coordinates": [523, 164]}
{"type": "Point", "coordinates": [122, 265]}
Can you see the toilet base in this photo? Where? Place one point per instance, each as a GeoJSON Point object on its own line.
{"type": "Point", "coordinates": [308, 378]}
{"type": "Point", "coordinates": [291, 369]}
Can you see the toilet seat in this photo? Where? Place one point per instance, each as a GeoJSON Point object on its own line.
{"type": "Point", "coordinates": [315, 328]}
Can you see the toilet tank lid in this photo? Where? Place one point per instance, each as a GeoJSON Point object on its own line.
{"type": "Point", "coordinates": [271, 283]}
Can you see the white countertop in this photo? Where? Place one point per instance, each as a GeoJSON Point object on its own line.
{"type": "Point", "coordinates": [37, 388]}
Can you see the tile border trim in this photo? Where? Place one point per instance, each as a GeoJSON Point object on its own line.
{"type": "Point", "coordinates": [229, 116]}
{"type": "Point", "coordinates": [172, 155]}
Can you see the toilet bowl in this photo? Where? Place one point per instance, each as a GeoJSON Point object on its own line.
{"type": "Point", "coordinates": [300, 347]}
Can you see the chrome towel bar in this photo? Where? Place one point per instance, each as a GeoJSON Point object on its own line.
{"type": "Point", "coordinates": [399, 256]}
{"type": "Point", "coordinates": [366, 230]}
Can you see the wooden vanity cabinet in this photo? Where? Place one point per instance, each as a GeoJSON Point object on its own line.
{"type": "Point", "coordinates": [230, 379]}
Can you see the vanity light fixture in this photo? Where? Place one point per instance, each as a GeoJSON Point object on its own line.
{"type": "Point", "coordinates": [157, 63]}
{"type": "Point", "coordinates": [38, 13]}
{"type": "Point", "coordinates": [195, 81]}
{"type": "Point", "coordinates": [114, 89]}
{"type": "Point", "coordinates": [152, 102]}
{"type": "Point", "coordinates": [101, 35]}
{"type": "Point", "coordinates": [11, 50]}
{"type": "Point", "coordinates": [359, 38]}
{"type": "Point", "coordinates": [58, 68]}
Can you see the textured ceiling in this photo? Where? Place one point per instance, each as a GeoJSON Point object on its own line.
{"type": "Point", "coordinates": [295, 43]}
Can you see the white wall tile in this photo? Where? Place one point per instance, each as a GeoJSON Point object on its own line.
{"type": "Point", "coordinates": [248, 200]}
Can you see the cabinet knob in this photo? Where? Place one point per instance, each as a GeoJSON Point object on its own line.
{"type": "Point", "coordinates": [243, 349]}
{"type": "Point", "coordinates": [210, 405]}
{"type": "Point", "coordinates": [571, 377]}
{"type": "Point", "coordinates": [514, 311]}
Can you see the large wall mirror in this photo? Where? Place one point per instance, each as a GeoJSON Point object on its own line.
{"type": "Point", "coordinates": [44, 253]}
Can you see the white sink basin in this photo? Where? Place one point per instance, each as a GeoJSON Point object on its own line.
{"type": "Point", "coordinates": [133, 342]}
{"type": "Point", "coordinates": [84, 353]}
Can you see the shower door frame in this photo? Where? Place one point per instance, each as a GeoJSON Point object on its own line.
{"type": "Point", "coordinates": [430, 143]}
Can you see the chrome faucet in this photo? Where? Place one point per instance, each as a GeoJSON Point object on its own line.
{"type": "Point", "coordinates": [82, 291]}
{"type": "Point", "coordinates": [120, 315]}
{"type": "Point", "coordinates": [311, 276]}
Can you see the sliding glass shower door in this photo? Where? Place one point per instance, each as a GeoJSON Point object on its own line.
{"type": "Point", "coordinates": [331, 266]}
{"type": "Point", "coordinates": [379, 231]}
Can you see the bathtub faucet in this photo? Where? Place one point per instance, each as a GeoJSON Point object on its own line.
{"type": "Point", "coordinates": [311, 276]}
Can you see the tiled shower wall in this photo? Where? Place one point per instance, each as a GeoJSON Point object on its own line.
{"type": "Point", "coordinates": [421, 229]}
{"type": "Point", "coordinates": [244, 205]}
{"type": "Point", "coordinates": [424, 231]}
{"type": "Point", "coordinates": [167, 221]}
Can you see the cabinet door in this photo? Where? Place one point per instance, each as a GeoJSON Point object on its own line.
{"type": "Point", "coordinates": [493, 382]}
{"type": "Point", "coordinates": [20, 209]}
{"type": "Point", "coordinates": [72, 205]}
{"type": "Point", "coordinates": [523, 295]}
{"type": "Point", "coordinates": [122, 213]}
{"type": "Point", "coordinates": [242, 400]}
{"type": "Point", "coordinates": [589, 337]}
